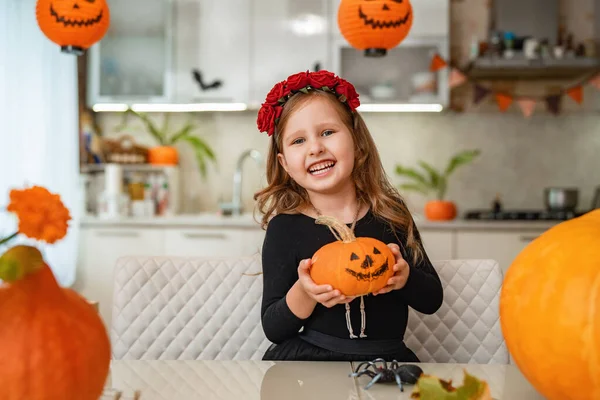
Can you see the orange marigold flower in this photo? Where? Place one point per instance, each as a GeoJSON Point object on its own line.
{"type": "Point", "coordinates": [42, 215]}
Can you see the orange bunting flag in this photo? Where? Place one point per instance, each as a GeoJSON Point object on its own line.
{"type": "Point", "coordinates": [595, 81]}
{"type": "Point", "coordinates": [456, 78]}
{"type": "Point", "coordinates": [527, 106]}
{"type": "Point", "coordinates": [437, 63]}
{"type": "Point", "coordinates": [504, 101]}
{"type": "Point", "coordinates": [576, 93]}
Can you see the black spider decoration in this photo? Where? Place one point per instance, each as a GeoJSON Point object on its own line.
{"type": "Point", "coordinates": [401, 373]}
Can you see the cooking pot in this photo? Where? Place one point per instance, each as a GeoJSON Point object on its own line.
{"type": "Point", "coordinates": [561, 199]}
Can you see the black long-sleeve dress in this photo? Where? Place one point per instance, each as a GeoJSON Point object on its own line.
{"type": "Point", "coordinates": [325, 335]}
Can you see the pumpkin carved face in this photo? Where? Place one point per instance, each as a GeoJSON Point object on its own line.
{"type": "Point", "coordinates": [354, 266]}
{"type": "Point", "coordinates": [74, 25]}
{"type": "Point", "coordinates": [375, 26]}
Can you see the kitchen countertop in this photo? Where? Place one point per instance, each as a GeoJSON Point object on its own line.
{"type": "Point", "coordinates": [247, 221]}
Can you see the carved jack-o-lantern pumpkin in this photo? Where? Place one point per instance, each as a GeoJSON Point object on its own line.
{"type": "Point", "coordinates": [74, 25]}
{"type": "Point", "coordinates": [375, 26]}
{"type": "Point", "coordinates": [354, 266]}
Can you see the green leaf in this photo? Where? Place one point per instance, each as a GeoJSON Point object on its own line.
{"type": "Point", "coordinates": [150, 127]}
{"type": "Point", "coordinates": [462, 158]}
{"type": "Point", "coordinates": [412, 174]}
{"type": "Point", "coordinates": [442, 187]}
{"type": "Point", "coordinates": [202, 151]}
{"type": "Point", "coordinates": [434, 176]}
{"type": "Point", "coordinates": [181, 133]}
{"type": "Point", "coordinates": [429, 387]}
{"type": "Point", "coordinates": [415, 187]}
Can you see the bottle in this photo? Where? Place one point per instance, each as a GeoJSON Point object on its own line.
{"type": "Point", "coordinates": [496, 204]}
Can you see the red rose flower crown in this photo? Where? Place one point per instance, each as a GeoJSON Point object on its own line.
{"type": "Point", "coordinates": [271, 109]}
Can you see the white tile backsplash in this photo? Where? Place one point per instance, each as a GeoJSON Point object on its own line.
{"type": "Point", "coordinates": [519, 156]}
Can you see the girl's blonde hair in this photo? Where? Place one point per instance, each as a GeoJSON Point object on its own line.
{"type": "Point", "coordinates": [283, 195]}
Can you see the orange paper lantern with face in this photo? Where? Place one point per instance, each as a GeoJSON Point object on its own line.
{"type": "Point", "coordinates": [74, 25]}
{"type": "Point", "coordinates": [354, 266]}
{"type": "Point", "coordinates": [375, 26]}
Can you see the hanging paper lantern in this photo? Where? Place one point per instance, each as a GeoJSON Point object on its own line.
{"type": "Point", "coordinates": [375, 26]}
{"type": "Point", "coordinates": [74, 25]}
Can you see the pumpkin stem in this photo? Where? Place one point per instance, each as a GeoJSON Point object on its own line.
{"type": "Point", "coordinates": [340, 230]}
{"type": "Point", "coordinates": [19, 261]}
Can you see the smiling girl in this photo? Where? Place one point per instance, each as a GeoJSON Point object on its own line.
{"type": "Point", "coordinates": [323, 161]}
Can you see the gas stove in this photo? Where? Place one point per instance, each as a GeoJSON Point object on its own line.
{"type": "Point", "coordinates": [521, 215]}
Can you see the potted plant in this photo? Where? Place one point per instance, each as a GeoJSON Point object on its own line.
{"type": "Point", "coordinates": [433, 181]}
{"type": "Point", "coordinates": [166, 153]}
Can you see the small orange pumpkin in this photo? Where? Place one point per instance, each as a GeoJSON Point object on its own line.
{"type": "Point", "coordinates": [53, 343]}
{"type": "Point", "coordinates": [375, 26]}
{"type": "Point", "coordinates": [440, 210]}
{"type": "Point", "coordinates": [163, 155]}
{"type": "Point", "coordinates": [74, 25]}
{"type": "Point", "coordinates": [354, 266]}
{"type": "Point", "coordinates": [550, 310]}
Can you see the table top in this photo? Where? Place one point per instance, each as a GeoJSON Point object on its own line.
{"type": "Point", "coordinates": [291, 380]}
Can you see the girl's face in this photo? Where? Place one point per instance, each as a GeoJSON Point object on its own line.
{"type": "Point", "coordinates": [317, 149]}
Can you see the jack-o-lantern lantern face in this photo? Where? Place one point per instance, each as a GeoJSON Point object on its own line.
{"type": "Point", "coordinates": [73, 24]}
{"type": "Point", "coordinates": [375, 26]}
{"type": "Point", "coordinates": [354, 266]}
{"type": "Point", "coordinates": [369, 267]}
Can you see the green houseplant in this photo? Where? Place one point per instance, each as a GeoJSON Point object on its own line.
{"type": "Point", "coordinates": [165, 153]}
{"type": "Point", "coordinates": [431, 181]}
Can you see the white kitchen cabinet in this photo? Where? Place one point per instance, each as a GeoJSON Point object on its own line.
{"type": "Point", "coordinates": [132, 62]}
{"type": "Point", "coordinates": [212, 242]}
{"type": "Point", "coordinates": [438, 244]}
{"type": "Point", "coordinates": [213, 39]}
{"type": "Point", "coordinates": [502, 246]}
{"type": "Point", "coordinates": [288, 36]}
{"type": "Point", "coordinates": [100, 248]}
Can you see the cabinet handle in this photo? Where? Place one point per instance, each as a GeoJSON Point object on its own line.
{"type": "Point", "coordinates": [204, 236]}
{"type": "Point", "coordinates": [528, 238]}
{"type": "Point", "coordinates": [118, 234]}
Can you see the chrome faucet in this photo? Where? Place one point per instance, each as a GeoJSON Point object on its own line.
{"type": "Point", "coordinates": [235, 207]}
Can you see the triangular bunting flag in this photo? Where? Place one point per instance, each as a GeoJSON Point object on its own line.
{"type": "Point", "coordinates": [527, 106]}
{"type": "Point", "coordinates": [456, 78]}
{"type": "Point", "coordinates": [553, 103]}
{"type": "Point", "coordinates": [576, 93]}
{"type": "Point", "coordinates": [504, 101]}
{"type": "Point", "coordinates": [480, 93]}
{"type": "Point", "coordinates": [437, 63]}
{"type": "Point", "coordinates": [595, 81]}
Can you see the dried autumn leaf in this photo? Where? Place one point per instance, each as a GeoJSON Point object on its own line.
{"type": "Point", "coordinates": [429, 387]}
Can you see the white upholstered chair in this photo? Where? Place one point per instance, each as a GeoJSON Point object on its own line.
{"type": "Point", "coordinates": [206, 308]}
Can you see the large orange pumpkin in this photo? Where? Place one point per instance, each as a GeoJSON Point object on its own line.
{"type": "Point", "coordinates": [74, 25]}
{"type": "Point", "coordinates": [550, 310]}
{"type": "Point", "coordinates": [53, 344]}
{"type": "Point", "coordinates": [375, 26]}
{"type": "Point", "coordinates": [354, 266]}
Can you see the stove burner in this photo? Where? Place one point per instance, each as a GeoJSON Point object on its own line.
{"type": "Point", "coordinates": [521, 215]}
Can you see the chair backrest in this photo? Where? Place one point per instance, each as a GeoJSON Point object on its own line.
{"type": "Point", "coordinates": [466, 329]}
{"type": "Point", "coordinates": [187, 309]}
{"type": "Point", "coordinates": [207, 308]}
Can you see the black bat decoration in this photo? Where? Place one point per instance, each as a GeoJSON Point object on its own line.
{"type": "Point", "coordinates": [204, 86]}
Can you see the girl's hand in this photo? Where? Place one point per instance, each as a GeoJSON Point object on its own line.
{"type": "Point", "coordinates": [401, 272]}
{"type": "Point", "coordinates": [323, 294]}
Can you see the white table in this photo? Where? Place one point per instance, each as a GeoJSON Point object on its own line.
{"type": "Point", "coordinates": [265, 380]}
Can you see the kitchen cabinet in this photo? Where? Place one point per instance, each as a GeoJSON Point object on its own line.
{"type": "Point", "coordinates": [133, 60]}
{"type": "Point", "coordinates": [213, 242]}
{"type": "Point", "coordinates": [288, 36]}
{"type": "Point", "coordinates": [100, 248]}
{"type": "Point", "coordinates": [213, 43]}
{"type": "Point", "coordinates": [438, 244]}
{"type": "Point", "coordinates": [502, 246]}
{"type": "Point", "coordinates": [403, 75]}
